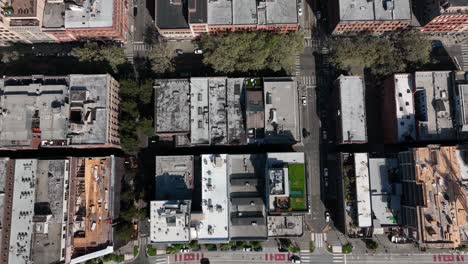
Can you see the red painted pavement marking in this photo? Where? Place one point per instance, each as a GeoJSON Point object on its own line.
{"type": "Point", "coordinates": [202, 256]}
{"type": "Point", "coordinates": [189, 257]}
{"type": "Point", "coordinates": [266, 257]}
{"type": "Point", "coordinates": [448, 258]}
{"type": "Point", "coordinates": [280, 257]}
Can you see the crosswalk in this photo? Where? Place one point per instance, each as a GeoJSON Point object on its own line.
{"type": "Point", "coordinates": [297, 64]}
{"type": "Point", "coordinates": [307, 80]}
{"type": "Point", "coordinates": [311, 43]}
{"type": "Point", "coordinates": [140, 46]}
{"type": "Point", "coordinates": [319, 239]}
{"type": "Point", "coordinates": [162, 259]}
{"type": "Point", "coordinates": [464, 50]}
{"type": "Point", "coordinates": [338, 258]}
{"type": "Point", "coordinates": [305, 256]}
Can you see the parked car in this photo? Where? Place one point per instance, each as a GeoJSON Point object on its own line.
{"type": "Point", "coordinates": [300, 11]}
{"type": "Point", "coordinates": [318, 15]}
{"type": "Point", "coordinates": [204, 261]}
{"type": "Point", "coordinates": [185, 250]}
{"type": "Point", "coordinates": [304, 100]}
{"type": "Point", "coordinates": [198, 51]}
{"type": "Point", "coordinates": [247, 249]}
{"type": "Point", "coordinates": [295, 259]}
{"type": "Point", "coordinates": [305, 133]}
{"type": "Point", "coordinates": [179, 51]}
{"type": "Point", "coordinates": [327, 217]}
{"type": "Point", "coordinates": [324, 133]}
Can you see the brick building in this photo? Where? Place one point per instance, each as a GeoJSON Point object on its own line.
{"type": "Point", "coordinates": [182, 19]}
{"type": "Point", "coordinates": [378, 16]}
{"type": "Point", "coordinates": [447, 16]}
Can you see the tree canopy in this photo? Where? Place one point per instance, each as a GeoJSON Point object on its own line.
{"type": "Point", "coordinates": [251, 51]}
{"type": "Point", "coordinates": [382, 55]}
{"type": "Point", "coordinates": [93, 52]}
{"type": "Point", "coordinates": [162, 59]}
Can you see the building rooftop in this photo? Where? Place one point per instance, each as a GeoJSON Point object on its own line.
{"type": "Point", "coordinates": [23, 8]}
{"type": "Point", "coordinates": [284, 226]}
{"type": "Point", "coordinates": [432, 105]}
{"type": "Point", "coordinates": [255, 109]}
{"type": "Point", "coordinates": [88, 108]}
{"type": "Point", "coordinates": [174, 177]}
{"type": "Point", "coordinates": [22, 211]}
{"type": "Point", "coordinates": [172, 106]}
{"type": "Point", "coordinates": [380, 172]}
{"type": "Point", "coordinates": [352, 109]}
{"type": "Point", "coordinates": [53, 15]}
{"type": "Point", "coordinates": [171, 14]}
{"type": "Point", "coordinates": [244, 12]}
{"type": "Point", "coordinates": [404, 103]}
{"type": "Point", "coordinates": [170, 221]}
{"type": "Point", "coordinates": [219, 12]}
{"type": "Point", "coordinates": [235, 116]}
{"type": "Point", "coordinates": [90, 14]}
{"type": "Point", "coordinates": [217, 110]}
{"type": "Point", "coordinates": [199, 112]}
{"type": "Point", "coordinates": [443, 216]}
{"type": "Point", "coordinates": [214, 226]}
{"type": "Point", "coordinates": [33, 105]}
{"type": "Point", "coordinates": [246, 192]}
{"type": "Point", "coordinates": [93, 200]}
{"type": "Point", "coordinates": [281, 110]}
{"type": "Point", "coordinates": [364, 210]}
{"type": "Point", "coordinates": [198, 11]}
{"type": "Point", "coordinates": [462, 101]}
{"type": "Point", "coordinates": [281, 12]}
{"type": "Point", "coordinates": [358, 10]}
{"type": "Point", "coordinates": [48, 241]}
{"type": "Point", "coordinates": [385, 209]}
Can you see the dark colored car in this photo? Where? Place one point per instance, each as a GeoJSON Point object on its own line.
{"type": "Point", "coordinates": [204, 261]}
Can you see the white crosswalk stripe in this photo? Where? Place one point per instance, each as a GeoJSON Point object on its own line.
{"type": "Point", "coordinates": [338, 258]}
{"type": "Point", "coordinates": [319, 239]}
{"type": "Point", "coordinates": [161, 259]}
{"type": "Point", "coordinates": [464, 49]}
{"type": "Point", "coordinates": [297, 64]}
{"type": "Point", "coordinates": [138, 46]}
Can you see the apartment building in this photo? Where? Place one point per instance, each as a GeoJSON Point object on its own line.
{"type": "Point", "coordinates": [54, 212]}
{"type": "Point", "coordinates": [181, 19]}
{"type": "Point", "coordinates": [216, 198]}
{"type": "Point", "coordinates": [59, 111]}
{"type": "Point", "coordinates": [446, 16]}
{"type": "Point", "coordinates": [398, 112]}
{"type": "Point", "coordinates": [22, 21]}
{"type": "Point", "coordinates": [434, 208]}
{"type": "Point", "coordinates": [374, 16]}
{"type": "Point", "coordinates": [227, 111]}
{"type": "Point", "coordinates": [350, 110]}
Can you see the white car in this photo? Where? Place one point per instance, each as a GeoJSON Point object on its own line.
{"type": "Point", "coordinates": [184, 250]}
{"type": "Point", "coordinates": [324, 132]}
{"type": "Point", "coordinates": [327, 217]}
{"type": "Point", "coordinates": [299, 11]}
{"type": "Point", "coordinates": [198, 51]}
{"type": "Point", "coordinates": [304, 100]}
{"type": "Point", "coordinates": [247, 249]}
{"type": "Point", "coordinates": [295, 259]}
{"type": "Point", "coordinates": [325, 172]}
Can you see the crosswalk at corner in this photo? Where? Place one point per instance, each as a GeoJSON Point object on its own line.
{"type": "Point", "coordinates": [319, 239]}
{"type": "Point", "coordinates": [297, 64]}
{"type": "Point", "coordinates": [307, 80]}
{"type": "Point", "coordinates": [338, 258]}
{"type": "Point", "coordinates": [305, 256]}
{"type": "Point", "coordinates": [464, 50]}
{"type": "Point", "coordinates": [140, 46]}
{"type": "Point", "coordinates": [161, 259]}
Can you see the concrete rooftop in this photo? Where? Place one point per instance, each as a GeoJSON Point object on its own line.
{"type": "Point", "coordinates": [170, 221]}
{"type": "Point", "coordinates": [172, 106]}
{"type": "Point", "coordinates": [90, 14]}
{"type": "Point", "coordinates": [358, 10]}
{"type": "Point", "coordinates": [174, 177]}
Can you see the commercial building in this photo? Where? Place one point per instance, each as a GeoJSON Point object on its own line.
{"type": "Point", "coordinates": [57, 210]}
{"type": "Point", "coordinates": [433, 106]}
{"type": "Point", "coordinates": [227, 111]}
{"type": "Point", "coordinates": [361, 172]}
{"type": "Point", "coordinates": [350, 110]}
{"type": "Point", "coordinates": [50, 111]}
{"type": "Point", "coordinates": [174, 177]}
{"type": "Point", "coordinates": [448, 16]}
{"type": "Point", "coordinates": [181, 19]}
{"type": "Point", "coordinates": [398, 114]}
{"type": "Point", "coordinates": [354, 16]}
{"type": "Point", "coordinates": [434, 205]}
{"type": "Point", "coordinates": [170, 221]}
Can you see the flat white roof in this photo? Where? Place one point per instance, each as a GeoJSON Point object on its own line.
{"type": "Point", "coordinates": [214, 225]}
{"type": "Point", "coordinates": [285, 157]}
{"type": "Point", "coordinates": [92, 14]}
{"type": "Point", "coordinates": [22, 210]}
{"type": "Point", "coordinates": [361, 166]}
{"type": "Point", "coordinates": [170, 221]}
{"type": "Point", "coordinates": [404, 100]}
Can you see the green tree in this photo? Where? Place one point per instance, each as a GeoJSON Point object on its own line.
{"type": "Point", "coordinates": [146, 126]}
{"type": "Point", "coordinates": [251, 51]}
{"type": "Point", "coordinates": [162, 59]}
{"type": "Point", "coordinates": [129, 89]}
{"type": "Point", "coordinates": [130, 107]}
{"type": "Point", "coordinates": [130, 145]}
{"type": "Point", "coordinates": [89, 52]}
{"type": "Point", "coordinates": [150, 250]}
{"type": "Point", "coordinates": [92, 52]}
{"type": "Point", "coordinates": [115, 56]}
{"type": "Point", "coordinates": [371, 244]}
{"type": "Point", "coordinates": [347, 248]}
{"type": "Point", "coordinates": [124, 231]}
{"type": "Point", "coordinates": [8, 57]}
{"type": "Point", "coordinates": [415, 47]}
{"type": "Point", "coordinates": [146, 92]}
